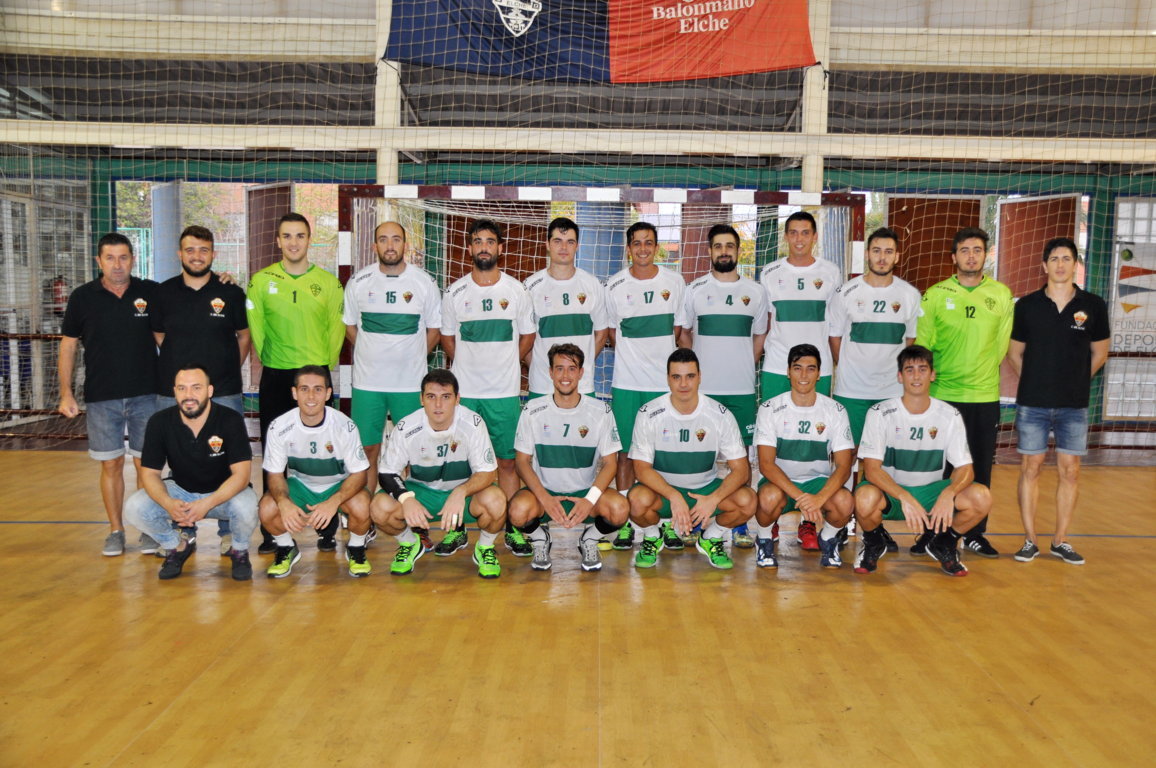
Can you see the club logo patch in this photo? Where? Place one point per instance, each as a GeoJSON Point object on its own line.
{"type": "Point", "coordinates": [583, 431]}
{"type": "Point", "coordinates": [820, 427]}
{"type": "Point", "coordinates": [989, 302]}
{"type": "Point", "coordinates": [407, 296]}
{"type": "Point", "coordinates": [746, 300]}
{"type": "Point", "coordinates": [315, 289]}
{"type": "Point", "coordinates": [329, 446]}
{"type": "Point", "coordinates": [1080, 318]}
{"type": "Point", "coordinates": [454, 446]}
{"type": "Point", "coordinates": [581, 298]}
{"type": "Point", "coordinates": [518, 15]}
{"type": "Point", "coordinates": [215, 445]}
{"type": "Point", "coordinates": [503, 303]}
{"type": "Point", "coordinates": [700, 434]}
{"type": "Point", "coordinates": [818, 283]}
{"type": "Point", "coordinates": [895, 306]}
{"type": "Point", "coordinates": [218, 306]}
{"type": "Point", "coordinates": [933, 432]}
{"type": "Point", "coordinates": [141, 305]}
{"type": "Point", "coordinates": [665, 295]}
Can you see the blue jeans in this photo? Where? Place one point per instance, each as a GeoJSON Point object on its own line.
{"type": "Point", "coordinates": [151, 518]}
{"type": "Point", "coordinates": [107, 420]}
{"type": "Point", "coordinates": [1070, 426]}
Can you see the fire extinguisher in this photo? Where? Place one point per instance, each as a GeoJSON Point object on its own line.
{"type": "Point", "coordinates": [56, 295]}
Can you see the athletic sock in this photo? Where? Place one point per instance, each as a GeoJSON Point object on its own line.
{"type": "Point", "coordinates": [486, 539]}
{"type": "Point", "coordinates": [828, 532]}
{"type": "Point", "coordinates": [606, 527]}
{"type": "Point", "coordinates": [407, 536]}
{"type": "Point", "coordinates": [764, 531]}
{"type": "Point", "coordinates": [954, 534]}
{"type": "Point", "coordinates": [532, 527]}
{"type": "Point", "coordinates": [713, 531]}
{"type": "Point", "coordinates": [538, 534]}
{"type": "Point", "coordinates": [283, 539]}
{"type": "Point", "coordinates": [356, 540]}
{"type": "Point", "coordinates": [591, 532]}
{"type": "Point", "coordinates": [650, 532]}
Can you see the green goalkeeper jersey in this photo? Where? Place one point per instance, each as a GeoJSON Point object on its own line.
{"type": "Point", "coordinates": [968, 330]}
{"type": "Point", "coordinates": [295, 320]}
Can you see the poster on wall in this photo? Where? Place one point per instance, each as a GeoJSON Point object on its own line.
{"type": "Point", "coordinates": [1130, 383]}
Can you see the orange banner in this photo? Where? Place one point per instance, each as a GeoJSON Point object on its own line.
{"type": "Point", "coordinates": [659, 40]}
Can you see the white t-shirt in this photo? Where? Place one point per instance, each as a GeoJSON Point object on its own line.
{"type": "Point", "coordinates": [568, 312]}
{"type": "Point", "coordinates": [644, 314]}
{"type": "Point", "coordinates": [723, 317]}
{"type": "Point", "coordinates": [567, 444]}
{"type": "Point", "coordinates": [874, 324]}
{"type": "Point", "coordinates": [803, 437]}
{"type": "Point", "coordinates": [914, 448]}
{"type": "Point", "coordinates": [392, 315]}
{"type": "Point", "coordinates": [797, 298]}
{"type": "Point", "coordinates": [319, 457]}
{"type": "Point", "coordinates": [684, 448]}
{"type": "Point", "coordinates": [487, 322]}
{"type": "Point", "coordinates": [442, 460]}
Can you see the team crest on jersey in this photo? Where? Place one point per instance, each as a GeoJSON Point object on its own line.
{"type": "Point", "coordinates": [989, 302]}
{"type": "Point", "coordinates": [665, 295]}
{"type": "Point", "coordinates": [141, 305]}
{"type": "Point", "coordinates": [518, 15]}
{"type": "Point", "coordinates": [218, 306]}
{"type": "Point", "coordinates": [746, 300]}
{"type": "Point", "coordinates": [315, 289]}
{"type": "Point", "coordinates": [329, 446]}
{"type": "Point", "coordinates": [503, 303]}
{"type": "Point", "coordinates": [581, 298]}
{"type": "Point", "coordinates": [933, 432]}
{"type": "Point", "coordinates": [820, 427]}
{"type": "Point", "coordinates": [895, 305]}
{"type": "Point", "coordinates": [215, 445]}
{"type": "Point", "coordinates": [407, 296]}
{"type": "Point", "coordinates": [1080, 318]}
{"type": "Point", "coordinates": [453, 446]}
{"type": "Point", "coordinates": [818, 283]}
{"type": "Point", "coordinates": [700, 434]}
{"type": "Point", "coordinates": [583, 430]}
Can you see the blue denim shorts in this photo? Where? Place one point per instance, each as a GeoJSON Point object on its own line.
{"type": "Point", "coordinates": [1069, 425]}
{"type": "Point", "coordinates": [107, 421]}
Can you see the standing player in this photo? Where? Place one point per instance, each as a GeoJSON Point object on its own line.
{"type": "Point", "coordinates": [295, 320]}
{"type": "Point", "coordinates": [446, 447]}
{"type": "Point", "coordinates": [907, 444]}
{"type": "Point", "coordinates": [966, 323]}
{"type": "Point", "coordinates": [315, 467]}
{"type": "Point", "coordinates": [646, 308]}
{"type": "Point", "coordinates": [872, 318]}
{"type": "Point", "coordinates": [567, 456]}
{"type": "Point", "coordinates": [198, 318]}
{"type": "Point", "coordinates": [393, 317]}
{"type": "Point", "coordinates": [805, 448]}
{"type": "Point", "coordinates": [487, 330]}
{"type": "Point", "coordinates": [570, 306]}
{"type": "Point", "coordinates": [110, 316]}
{"type": "Point", "coordinates": [1059, 339]}
{"type": "Point", "coordinates": [798, 289]}
{"type": "Point", "coordinates": [726, 316]}
{"type": "Point", "coordinates": [678, 438]}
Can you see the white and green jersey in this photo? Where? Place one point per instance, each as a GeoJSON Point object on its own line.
{"type": "Point", "coordinates": [797, 299]}
{"type": "Point", "coordinates": [914, 447]}
{"type": "Point", "coordinates": [723, 317]}
{"type": "Point", "coordinates": [488, 322]}
{"type": "Point", "coordinates": [804, 437]}
{"type": "Point", "coordinates": [684, 448]}
{"type": "Point", "coordinates": [392, 314]}
{"type": "Point", "coordinates": [441, 461]}
{"type": "Point", "coordinates": [874, 324]}
{"type": "Point", "coordinates": [319, 457]}
{"type": "Point", "coordinates": [568, 312]}
{"type": "Point", "coordinates": [567, 444]}
{"type": "Point", "coordinates": [644, 314]}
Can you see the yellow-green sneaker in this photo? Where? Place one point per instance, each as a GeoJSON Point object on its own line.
{"type": "Point", "coordinates": [283, 561]}
{"type": "Point", "coordinates": [715, 552]}
{"type": "Point", "coordinates": [405, 557]}
{"type": "Point", "coordinates": [647, 554]}
{"type": "Point", "coordinates": [486, 558]}
{"type": "Point", "coordinates": [358, 563]}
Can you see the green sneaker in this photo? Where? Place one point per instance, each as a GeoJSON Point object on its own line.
{"type": "Point", "coordinates": [450, 543]}
{"type": "Point", "coordinates": [406, 556]}
{"type": "Point", "coordinates": [486, 559]}
{"type": "Point", "coordinates": [670, 537]}
{"type": "Point", "coordinates": [358, 563]}
{"type": "Point", "coordinates": [647, 555]}
{"type": "Point", "coordinates": [283, 562]}
{"type": "Point", "coordinates": [715, 552]}
{"type": "Point", "coordinates": [517, 543]}
{"type": "Point", "coordinates": [625, 538]}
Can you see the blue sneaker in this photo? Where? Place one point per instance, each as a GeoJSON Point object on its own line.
{"type": "Point", "coordinates": [765, 553]}
{"type": "Point", "coordinates": [830, 553]}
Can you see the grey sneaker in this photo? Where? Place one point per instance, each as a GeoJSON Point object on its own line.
{"type": "Point", "coordinates": [113, 544]}
{"type": "Point", "coordinates": [591, 557]}
{"type": "Point", "coordinates": [148, 545]}
{"type": "Point", "coordinates": [1067, 554]}
{"type": "Point", "coordinates": [1028, 552]}
{"type": "Point", "coordinates": [226, 544]}
{"type": "Point", "coordinates": [541, 550]}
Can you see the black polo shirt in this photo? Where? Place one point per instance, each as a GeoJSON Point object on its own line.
{"type": "Point", "coordinates": [201, 463]}
{"type": "Point", "coordinates": [200, 326]}
{"type": "Point", "coordinates": [120, 354]}
{"type": "Point", "coordinates": [1057, 365]}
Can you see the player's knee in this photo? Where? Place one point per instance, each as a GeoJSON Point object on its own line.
{"type": "Point", "coordinates": [615, 508]}
{"type": "Point", "coordinates": [112, 466]}
{"type": "Point", "coordinates": [490, 502]}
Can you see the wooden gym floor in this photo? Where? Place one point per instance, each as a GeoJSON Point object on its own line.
{"type": "Point", "coordinates": [1027, 664]}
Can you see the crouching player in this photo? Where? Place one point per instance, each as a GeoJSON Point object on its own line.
{"type": "Point", "coordinates": [907, 441]}
{"type": "Point", "coordinates": [315, 466]}
{"type": "Point", "coordinates": [452, 470]}
{"type": "Point", "coordinates": [678, 438]}
{"type": "Point", "coordinates": [798, 433]}
{"type": "Point", "coordinates": [567, 455]}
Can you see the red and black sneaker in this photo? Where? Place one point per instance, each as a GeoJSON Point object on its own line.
{"type": "Point", "coordinates": [808, 536]}
{"type": "Point", "coordinates": [944, 548]}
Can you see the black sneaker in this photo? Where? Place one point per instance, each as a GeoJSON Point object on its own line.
{"type": "Point", "coordinates": [450, 543]}
{"type": "Point", "coordinates": [981, 546]}
{"type": "Point", "coordinates": [267, 545]}
{"type": "Point", "coordinates": [242, 568]}
{"type": "Point", "coordinates": [892, 544]}
{"type": "Point", "coordinates": [943, 549]}
{"type": "Point", "coordinates": [326, 543]}
{"type": "Point", "coordinates": [920, 545]}
{"type": "Point", "coordinates": [175, 558]}
{"type": "Point", "coordinates": [1067, 554]}
{"type": "Point", "coordinates": [327, 536]}
{"type": "Point", "coordinates": [1028, 552]}
{"type": "Point", "coordinates": [624, 539]}
{"type": "Point", "coordinates": [871, 549]}
{"type": "Point", "coordinates": [841, 537]}
{"type": "Point", "coordinates": [427, 544]}
{"type": "Point", "coordinates": [518, 544]}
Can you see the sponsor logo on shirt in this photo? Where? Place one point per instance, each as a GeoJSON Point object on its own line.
{"type": "Point", "coordinates": [215, 445]}
{"type": "Point", "coordinates": [665, 435]}
{"type": "Point", "coordinates": [272, 286]}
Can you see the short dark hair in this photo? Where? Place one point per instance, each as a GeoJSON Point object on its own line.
{"type": "Point", "coordinates": [722, 229]}
{"type": "Point", "coordinates": [193, 366]}
{"type": "Point", "coordinates": [1061, 242]}
{"type": "Point", "coordinates": [297, 218]}
{"type": "Point", "coordinates": [682, 355]}
{"type": "Point", "coordinates": [801, 216]}
{"type": "Point", "coordinates": [883, 233]}
{"type": "Point", "coordinates": [562, 224]}
{"type": "Point", "coordinates": [485, 225]}
{"type": "Point", "coordinates": [404, 234]}
{"type": "Point", "coordinates": [198, 232]}
{"type": "Point", "coordinates": [440, 376]}
{"type": "Point", "coordinates": [113, 238]}
{"type": "Point", "coordinates": [969, 233]}
{"type": "Point", "coordinates": [572, 351]}
{"type": "Point", "coordinates": [915, 352]}
{"type": "Point", "coordinates": [640, 226]}
{"type": "Point", "coordinates": [313, 370]}
{"type": "Point", "coordinates": [803, 350]}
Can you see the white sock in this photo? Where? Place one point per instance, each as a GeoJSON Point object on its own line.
{"type": "Point", "coordinates": [407, 536]}
{"type": "Point", "coordinates": [650, 532]}
{"type": "Point", "coordinates": [591, 532]}
{"type": "Point", "coordinates": [538, 534]}
{"type": "Point", "coordinates": [764, 531]}
{"type": "Point", "coordinates": [714, 531]}
{"type": "Point", "coordinates": [486, 539]}
{"type": "Point", "coordinates": [283, 539]}
{"type": "Point", "coordinates": [356, 539]}
{"type": "Point", "coordinates": [828, 531]}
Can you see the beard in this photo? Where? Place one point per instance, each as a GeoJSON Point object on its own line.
{"type": "Point", "coordinates": [881, 274]}
{"type": "Point", "coordinates": [386, 261]}
{"type": "Point", "coordinates": [196, 272]}
{"type": "Point", "coordinates": [194, 411]}
{"type": "Point", "coordinates": [724, 265]}
{"type": "Point", "coordinates": [485, 261]}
